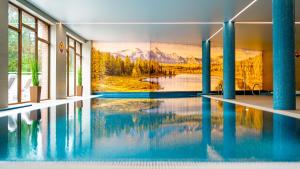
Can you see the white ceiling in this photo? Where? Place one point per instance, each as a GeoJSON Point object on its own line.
{"type": "Point", "coordinates": [141, 10]}
{"type": "Point", "coordinates": [90, 19]}
{"type": "Point", "coordinates": [261, 11]}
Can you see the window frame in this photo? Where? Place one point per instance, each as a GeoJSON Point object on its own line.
{"type": "Point", "coordinates": [68, 62]}
{"type": "Point", "coordinates": [20, 43]}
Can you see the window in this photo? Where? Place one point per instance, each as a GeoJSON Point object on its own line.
{"type": "Point", "coordinates": [71, 72]}
{"type": "Point", "coordinates": [13, 16]}
{"type": "Point", "coordinates": [78, 56]}
{"type": "Point", "coordinates": [74, 62]}
{"type": "Point", "coordinates": [28, 38]}
{"type": "Point", "coordinates": [13, 53]}
{"type": "Point", "coordinates": [43, 58]}
{"type": "Point", "coordinates": [28, 52]}
{"type": "Point", "coordinates": [28, 20]}
{"type": "Point", "coordinates": [43, 31]}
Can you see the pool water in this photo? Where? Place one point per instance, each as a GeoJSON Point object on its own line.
{"type": "Point", "coordinates": [181, 129]}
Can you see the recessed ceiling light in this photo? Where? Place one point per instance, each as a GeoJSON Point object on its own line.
{"type": "Point", "coordinates": [233, 18]}
{"type": "Point", "coordinates": [215, 34]}
{"type": "Point", "coordinates": [243, 10]}
{"type": "Point", "coordinates": [161, 23]}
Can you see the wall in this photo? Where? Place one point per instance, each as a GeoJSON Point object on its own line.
{"type": "Point", "coordinates": [3, 53]}
{"type": "Point", "coordinates": [268, 71]}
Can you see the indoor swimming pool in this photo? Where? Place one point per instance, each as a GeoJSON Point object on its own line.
{"type": "Point", "coordinates": [191, 129]}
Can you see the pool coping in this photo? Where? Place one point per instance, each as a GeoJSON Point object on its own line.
{"type": "Point", "coordinates": [45, 104]}
{"type": "Point", "coordinates": [288, 113]}
{"type": "Point", "coordinates": [149, 165]}
{"type": "Point", "coordinates": [17, 106]}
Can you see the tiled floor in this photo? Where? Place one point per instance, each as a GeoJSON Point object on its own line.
{"type": "Point", "coordinates": [44, 104]}
{"type": "Point", "coordinates": [259, 102]}
{"type": "Point", "coordinates": [146, 165]}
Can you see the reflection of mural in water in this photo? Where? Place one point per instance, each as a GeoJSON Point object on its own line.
{"type": "Point", "coordinates": [124, 105]}
{"type": "Point", "coordinates": [143, 114]}
{"type": "Point", "coordinates": [134, 67]}
{"type": "Point", "coordinates": [175, 110]}
{"type": "Point", "coordinates": [245, 116]}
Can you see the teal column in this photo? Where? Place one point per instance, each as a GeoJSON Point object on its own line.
{"type": "Point", "coordinates": [284, 97]}
{"type": "Point", "coordinates": [205, 67]}
{"type": "Point", "coordinates": [229, 60]}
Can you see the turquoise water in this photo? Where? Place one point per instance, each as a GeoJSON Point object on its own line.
{"type": "Point", "coordinates": [173, 129]}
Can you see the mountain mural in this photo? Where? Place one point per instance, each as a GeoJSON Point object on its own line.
{"type": "Point", "coordinates": [139, 67]}
{"type": "Point", "coordinates": [157, 55]}
{"type": "Point", "coordinates": [133, 54]}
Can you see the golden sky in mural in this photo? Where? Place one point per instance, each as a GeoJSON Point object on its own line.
{"type": "Point", "coordinates": [190, 51]}
{"type": "Point", "coordinates": [118, 46]}
{"type": "Point", "coordinates": [182, 50]}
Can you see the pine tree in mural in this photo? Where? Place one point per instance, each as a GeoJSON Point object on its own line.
{"type": "Point", "coordinates": [127, 66]}
{"type": "Point", "coordinates": [136, 72]}
{"type": "Point", "coordinates": [118, 66]}
{"type": "Point", "coordinates": [101, 66]}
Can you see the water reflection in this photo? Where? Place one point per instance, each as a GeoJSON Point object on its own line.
{"type": "Point", "coordinates": [285, 141]}
{"type": "Point", "coordinates": [61, 131]}
{"type": "Point", "coordinates": [3, 137]}
{"type": "Point", "coordinates": [184, 129]}
{"type": "Point", "coordinates": [229, 130]}
{"type": "Point", "coordinates": [206, 124]}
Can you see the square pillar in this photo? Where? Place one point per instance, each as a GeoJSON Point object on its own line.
{"type": "Point", "coordinates": [229, 60]}
{"type": "Point", "coordinates": [206, 67]}
{"type": "Point", "coordinates": [58, 72]}
{"type": "Point", "coordinates": [86, 67]}
{"type": "Point", "coordinates": [284, 81]}
{"type": "Point", "coordinates": [4, 53]}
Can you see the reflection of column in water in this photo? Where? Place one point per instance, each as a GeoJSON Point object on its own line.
{"type": "Point", "coordinates": [19, 130]}
{"type": "Point", "coordinates": [86, 123]}
{"type": "Point", "coordinates": [3, 137]}
{"type": "Point", "coordinates": [52, 132]}
{"type": "Point", "coordinates": [79, 113]}
{"type": "Point", "coordinates": [61, 131]}
{"type": "Point", "coordinates": [44, 130]}
{"type": "Point", "coordinates": [285, 138]}
{"type": "Point", "coordinates": [206, 123]}
{"type": "Point", "coordinates": [229, 130]}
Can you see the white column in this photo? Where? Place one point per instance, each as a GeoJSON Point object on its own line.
{"type": "Point", "coordinates": [58, 71]}
{"type": "Point", "coordinates": [86, 68]}
{"type": "Point", "coordinates": [4, 53]}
